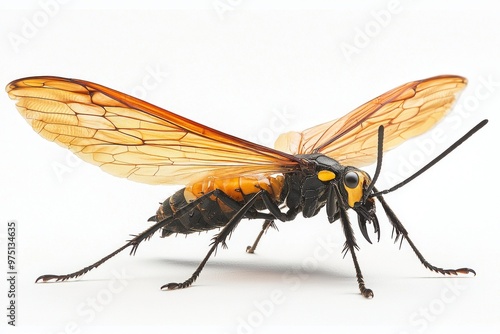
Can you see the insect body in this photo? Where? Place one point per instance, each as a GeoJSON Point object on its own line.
{"type": "Point", "coordinates": [306, 191]}
{"type": "Point", "coordinates": [213, 211]}
{"type": "Point", "coordinates": [228, 179]}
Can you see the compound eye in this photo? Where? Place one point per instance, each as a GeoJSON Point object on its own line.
{"type": "Point", "coordinates": [351, 180]}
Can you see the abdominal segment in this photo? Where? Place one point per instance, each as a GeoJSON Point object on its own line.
{"type": "Point", "coordinates": [213, 212]}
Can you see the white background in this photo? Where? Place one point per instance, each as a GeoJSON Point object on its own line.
{"type": "Point", "coordinates": [234, 67]}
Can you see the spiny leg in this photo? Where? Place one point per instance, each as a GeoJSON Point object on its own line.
{"type": "Point", "coordinates": [274, 213]}
{"type": "Point", "coordinates": [219, 238]}
{"type": "Point", "coordinates": [265, 227]}
{"type": "Point", "coordinates": [403, 233]}
{"type": "Point", "coordinates": [134, 242]}
{"type": "Point", "coordinates": [351, 246]}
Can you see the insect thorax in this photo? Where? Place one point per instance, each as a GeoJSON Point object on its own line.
{"type": "Point", "coordinates": [316, 182]}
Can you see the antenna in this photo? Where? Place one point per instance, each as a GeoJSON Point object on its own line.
{"type": "Point", "coordinates": [433, 161]}
{"type": "Point", "coordinates": [380, 152]}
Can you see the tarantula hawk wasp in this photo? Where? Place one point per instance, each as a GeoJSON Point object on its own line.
{"type": "Point", "coordinates": [228, 179]}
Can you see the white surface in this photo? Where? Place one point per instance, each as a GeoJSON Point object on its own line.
{"type": "Point", "coordinates": [233, 72]}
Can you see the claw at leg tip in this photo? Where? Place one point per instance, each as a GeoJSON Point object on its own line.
{"type": "Point", "coordinates": [44, 278]}
{"type": "Point", "coordinates": [368, 293]}
{"type": "Point", "coordinates": [170, 286]}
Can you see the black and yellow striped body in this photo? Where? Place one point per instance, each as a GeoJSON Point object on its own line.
{"type": "Point", "coordinates": [212, 212]}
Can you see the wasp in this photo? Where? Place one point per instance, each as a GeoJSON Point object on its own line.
{"type": "Point", "coordinates": [227, 179]}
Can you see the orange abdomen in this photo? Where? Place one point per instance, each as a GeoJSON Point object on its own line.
{"type": "Point", "coordinates": [237, 187]}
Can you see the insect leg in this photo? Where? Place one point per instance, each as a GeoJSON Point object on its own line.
{"type": "Point", "coordinates": [267, 223]}
{"type": "Point", "coordinates": [275, 211]}
{"type": "Point", "coordinates": [219, 238]}
{"type": "Point", "coordinates": [351, 246]}
{"type": "Point", "coordinates": [403, 233]}
{"type": "Point", "coordinates": [134, 242]}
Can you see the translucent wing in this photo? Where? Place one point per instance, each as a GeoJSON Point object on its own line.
{"type": "Point", "coordinates": [130, 138]}
{"type": "Point", "coordinates": [406, 111]}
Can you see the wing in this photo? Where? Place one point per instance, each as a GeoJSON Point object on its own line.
{"type": "Point", "coordinates": [405, 112]}
{"type": "Point", "coordinates": [130, 138]}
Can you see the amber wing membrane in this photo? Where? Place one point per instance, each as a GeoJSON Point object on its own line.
{"type": "Point", "coordinates": [405, 112]}
{"type": "Point", "coordinates": [130, 138]}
